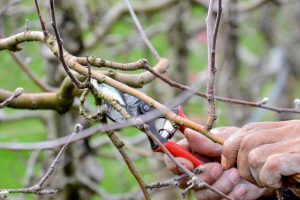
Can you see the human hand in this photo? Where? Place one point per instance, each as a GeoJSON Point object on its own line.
{"type": "Point", "coordinates": [264, 152]}
{"type": "Point", "coordinates": [227, 181]}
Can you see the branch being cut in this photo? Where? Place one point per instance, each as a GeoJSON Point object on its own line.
{"type": "Point", "coordinates": [195, 181]}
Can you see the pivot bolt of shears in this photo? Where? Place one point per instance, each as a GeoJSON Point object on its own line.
{"type": "Point", "coordinates": [146, 107]}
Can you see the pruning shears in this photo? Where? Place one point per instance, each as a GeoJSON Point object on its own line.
{"type": "Point", "coordinates": [162, 128]}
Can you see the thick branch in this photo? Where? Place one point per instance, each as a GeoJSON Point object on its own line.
{"type": "Point", "coordinates": [133, 80]}
{"type": "Point", "coordinates": [12, 42]}
{"type": "Point", "coordinates": [59, 101]}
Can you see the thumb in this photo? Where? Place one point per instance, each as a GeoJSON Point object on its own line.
{"type": "Point", "coordinates": [230, 150]}
{"type": "Point", "coordinates": [201, 144]}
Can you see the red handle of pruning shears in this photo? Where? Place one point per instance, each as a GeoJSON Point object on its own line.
{"type": "Point", "coordinates": [181, 114]}
{"type": "Point", "coordinates": [178, 151]}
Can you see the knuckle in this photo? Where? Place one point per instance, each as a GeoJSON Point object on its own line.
{"type": "Point", "coordinates": [247, 142]}
{"type": "Point", "coordinates": [255, 158]}
{"type": "Point", "coordinates": [270, 175]}
{"type": "Point", "coordinates": [230, 142]}
{"type": "Point", "coordinates": [273, 163]}
{"type": "Point", "coordinates": [251, 126]}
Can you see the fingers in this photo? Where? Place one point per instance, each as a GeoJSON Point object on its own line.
{"type": "Point", "coordinates": [232, 144]}
{"type": "Point", "coordinates": [204, 146]}
{"type": "Point", "coordinates": [264, 155]}
{"type": "Point", "coordinates": [174, 169]}
{"type": "Point", "coordinates": [252, 141]}
{"type": "Point", "coordinates": [229, 183]}
{"type": "Point", "coordinates": [264, 152]}
{"type": "Point", "coordinates": [247, 191]}
{"type": "Point", "coordinates": [239, 192]}
{"type": "Point", "coordinates": [279, 165]}
{"type": "Point", "coordinates": [201, 144]}
{"type": "Point", "coordinates": [225, 184]}
{"type": "Point", "coordinates": [212, 172]}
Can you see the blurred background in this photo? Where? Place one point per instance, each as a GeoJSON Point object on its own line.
{"type": "Point", "coordinates": [257, 56]}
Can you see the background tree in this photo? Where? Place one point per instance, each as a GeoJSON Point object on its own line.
{"type": "Point", "coordinates": [256, 57]}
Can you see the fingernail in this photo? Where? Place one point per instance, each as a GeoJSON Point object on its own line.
{"type": "Point", "coordinates": [240, 191]}
{"type": "Point", "coordinates": [224, 162]}
{"type": "Point", "coordinates": [216, 171]}
{"type": "Point", "coordinates": [234, 176]}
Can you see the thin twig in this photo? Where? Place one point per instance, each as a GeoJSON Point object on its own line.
{"type": "Point", "coordinates": [99, 62]}
{"type": "Point", "coordinates": [141, 30]}
{"type": "Point", "coordinates": [59, 40]}
{"type": "Point", "coordinates": [167, 183]}
{"type": "Point", "coordinates": [38, 188]}
{"type": "Point", "coordinates": [10, 99]}
{"type": "Point", "coordinates": [95, 117]}
{"type": "Point", "coordinates": [211, 41]}
{"type": "Point", "coordinates": [116, 141]}
{"type": "Point", "coordinates": [40, 18]}
{"type": "Point", "coordinates": [30, 167]}
{"type": "Point", "coordinates": [30, 74]}
{"type": "Point", "coordinates": [118, 11]}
